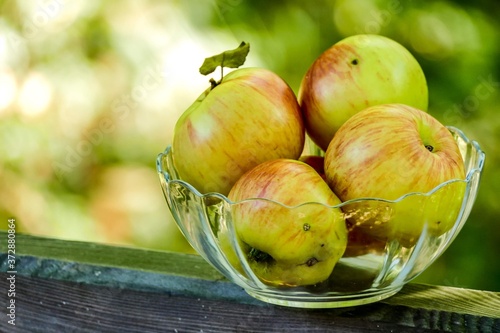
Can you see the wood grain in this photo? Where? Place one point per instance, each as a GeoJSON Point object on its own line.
{"type": "Point", "coordinates": [46, 305]}
{"type": "Point", "coordinates": [460, 300]}
{"type": "Point", "coordinates": [112, 256]}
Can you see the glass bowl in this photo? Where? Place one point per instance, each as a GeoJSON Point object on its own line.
{"type": "Point", "coordinates": [371, 269]}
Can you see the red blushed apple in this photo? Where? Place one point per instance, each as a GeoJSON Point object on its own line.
{"type": "Point", "coordinates": [386, 152]}
{"type": "Point", "coordinates": [251, 117]}
{"type": "Point", "coordinates": [316, 162]}
{"type": "Point", "coordinates": [355, 73]}
{"type": "Point", "coordinates": [360, 243]}
{"type": "Point", "coordinates": [295, 237]}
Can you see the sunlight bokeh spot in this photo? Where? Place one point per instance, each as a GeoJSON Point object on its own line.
{"type": "Point", "coordinates": [35, 95]}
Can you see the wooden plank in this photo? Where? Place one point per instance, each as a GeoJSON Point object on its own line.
{"type": "Point", "coordinates": [131, 279]}
{"type": "Point", "coordinates": [465, 301]}
{"type": "Point", "coordinates": [112, 256]}
{"type": "Point", "coordinates": [151, 274]}
{"type": "Point", "coordinates": [460, 300]}
{"type": "Point", "coordinates": [46, 305]}
{"type": "Point", "coordinates": [473, 302]}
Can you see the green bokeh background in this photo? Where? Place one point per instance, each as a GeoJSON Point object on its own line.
{"type": "Point", "coordinates": [90, 92]}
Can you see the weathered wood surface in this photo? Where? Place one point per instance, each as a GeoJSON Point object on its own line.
{"type": "Point", "coordinates": [80, 287]}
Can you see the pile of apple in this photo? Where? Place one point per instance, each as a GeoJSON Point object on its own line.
{"type": "Point", "coordinates": [363, 102]}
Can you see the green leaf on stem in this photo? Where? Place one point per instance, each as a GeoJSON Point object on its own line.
{"type": "Point", "coordinates": [231, 59]}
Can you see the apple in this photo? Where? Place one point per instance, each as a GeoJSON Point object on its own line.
{"type": "Point", "coordinates": [295, 237]}
{"type": "Point", "coordinates": [360, 243]}
{"type": "Point", "coordinates": [250, 117]}
{"type": "Point", "coordinates": [355, 73]}
{"type": "Point", "coordinates": [387, 151]}
{"type": "Point", "coordinates": [317, 162]}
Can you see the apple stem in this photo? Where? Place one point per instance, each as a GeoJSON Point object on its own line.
{"type": "Point", "coordinates": [311, 262]}
{"type": "Point", "coordinates": [214, 83]}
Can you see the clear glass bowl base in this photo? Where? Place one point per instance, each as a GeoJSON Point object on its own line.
{"type": "Point", "coordinates": [321, 302]}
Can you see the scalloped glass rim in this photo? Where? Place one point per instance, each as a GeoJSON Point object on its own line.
{"type": "Point", "coordinates": [457, 132]}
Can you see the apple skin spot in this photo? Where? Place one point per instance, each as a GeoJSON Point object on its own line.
{"type": "Point", "coordinates": [191, 132]}
{"type": "Point", "coordinates": [311, 262]}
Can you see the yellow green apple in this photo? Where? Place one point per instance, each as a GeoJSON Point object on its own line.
{"type": "Point", "coordinates": [355, 73]}
{"type": "Point", "coordinates": [249, 117]}
{"type": "Point", "coordinates": [386, 152]}
{"type": "Point", "coordinates": [291, 234]}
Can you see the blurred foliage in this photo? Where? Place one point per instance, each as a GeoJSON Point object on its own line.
{"type": "Point", "coordinates": [90, 92]}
